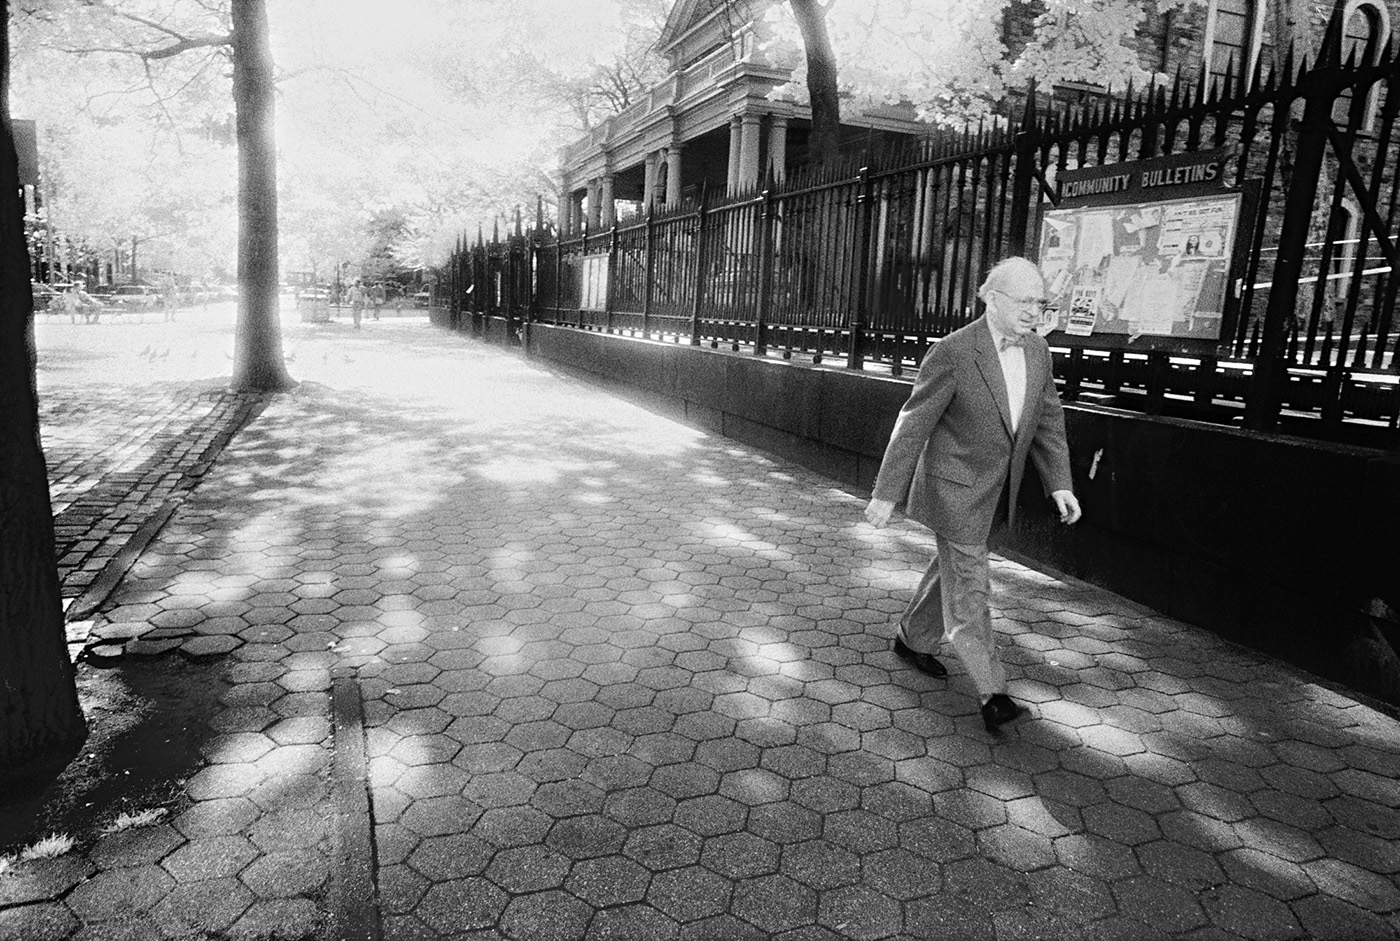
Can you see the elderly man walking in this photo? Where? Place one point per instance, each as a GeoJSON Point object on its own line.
{"type": "Point", "coordinates": [984, 400]}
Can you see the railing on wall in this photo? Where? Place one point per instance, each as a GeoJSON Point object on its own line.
{"type": "Point", "coordinates": [868, 267]}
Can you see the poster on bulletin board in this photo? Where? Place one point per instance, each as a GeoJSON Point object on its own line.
{"type": "Point", "coordinates": [1142, 255]}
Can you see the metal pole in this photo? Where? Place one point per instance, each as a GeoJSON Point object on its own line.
{"type": "Point", "coordinates": [649, 273]}
{"type": "Point", "coordinates": [765, 271]}
{"type": "Point", "coordinates": [608, 294]}
{"type": "Point", "coordinates": [1027, 150]}
{"type": "Point", "coordinates": [1265, 396]}
{"type": "Point", "coordinates": [700, 212]}
{"type": "Point", "coordinates": [860, 310]}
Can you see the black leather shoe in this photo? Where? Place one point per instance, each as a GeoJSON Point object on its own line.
{"type": "Point", "coordinates": [998, 711]}
{"type": "Point", "coordinates": [926, 662]}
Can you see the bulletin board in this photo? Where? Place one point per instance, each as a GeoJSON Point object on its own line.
{"type": "Point", "coordinates": [1145, 274]}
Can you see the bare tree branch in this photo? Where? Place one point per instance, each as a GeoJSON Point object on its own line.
{"type": "Point", "coordinates": [183, 42]}
{"type": "Point", "coordinates": [150, 55]}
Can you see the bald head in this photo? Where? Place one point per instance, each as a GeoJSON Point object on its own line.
{"type": "Point", "coordinates": [1012, 276]}
{"type": "Point", "coordinates": [1014, 293]}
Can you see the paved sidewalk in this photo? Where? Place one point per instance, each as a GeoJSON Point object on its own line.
{"type": "Point", "coordinates": [618, 678]}
{"type": "Point", "coordinates": [123, 432]}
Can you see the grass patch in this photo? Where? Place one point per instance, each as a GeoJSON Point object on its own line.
{"type": "Point", "coordinates": [50, 847]}
{"type": "Point", "coordinates": [127, 821]}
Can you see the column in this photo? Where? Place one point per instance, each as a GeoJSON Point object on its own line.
{"type": "Point", "coordinates": [732, 181]}
{"type": "Point", "coordinates": [566, 206]}
{"type": "Point", "coordinates": [595, 201]}
{"type": "Point", "coordinates": [777, 146]}
{"type": "Point", "coordinates": [649, 199]}
{"type": "Point", "coordinates": [748, 149]}
{"type": "Point", "coordinates": [673, 176]}
{"type": "Point", "coordinates": [609, 209]}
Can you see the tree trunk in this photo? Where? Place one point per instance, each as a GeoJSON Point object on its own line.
{"type": "Point", "coordinates": [41, 724]}
{"type": "Point", "coordinates": [257, 361]}
{"type": "Point", "coordinates": [825, 142]}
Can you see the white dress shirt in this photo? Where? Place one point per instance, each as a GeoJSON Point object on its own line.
{"type": "Point", "coordinates": [1013, 370]}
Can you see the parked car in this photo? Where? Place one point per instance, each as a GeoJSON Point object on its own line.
{"type": "Point", "coordinates": [135, 297]}
{"type": "Point", "coordinates": [314, 295]}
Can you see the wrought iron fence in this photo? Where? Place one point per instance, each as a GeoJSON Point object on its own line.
{"type": "Point", "coordinates": [868, 267]}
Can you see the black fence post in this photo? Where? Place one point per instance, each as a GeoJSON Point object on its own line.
{"type": "Point", "coordinates": [559, 275]}
{"type": "Point", "coordinates": [860, 309]}
{"type": "Point", "coordinates": [1027, 151]}
{"type": "Point", "coordinates": [463, 282]}
{"type": "Point", "coordinates": [612, 281]}
{"type": "Point", "coordinates": [1159, 371]}
{"type": "Point", "coordinates": [532, 261]}
{"type": "Point", "coordinates": [700, 212]}
{"type": "Point", "coordinates": [480, 268]}
{"type": "Point", "coordinates": [454, 286]}
{"type": "Point", "coordinates": [765, 271]}
{"type": "Point", "coordinates": [1265, 396]}
{"type": "Point", "coordinates": [648, 273]}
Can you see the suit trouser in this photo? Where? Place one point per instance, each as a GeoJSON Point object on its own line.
{"type": "Point", "coordinates": [951, 604]}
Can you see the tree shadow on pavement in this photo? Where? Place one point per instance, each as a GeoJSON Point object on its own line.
{"type": "Point", "coordinates": [585, 632]}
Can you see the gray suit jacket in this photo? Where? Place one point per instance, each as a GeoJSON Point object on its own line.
{"type": "Point", "coordinates": [952, 449]}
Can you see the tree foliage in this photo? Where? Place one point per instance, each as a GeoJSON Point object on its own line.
{"type": "Point", "coordinates": [951, 60]}
{"type": "Point", "coordinates": [183, 67]}
{"type": "Point", "coordinates": [451, 112]}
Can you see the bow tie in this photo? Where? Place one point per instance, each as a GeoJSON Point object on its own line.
{"type": "Point", "coordinates": [1003, 343]}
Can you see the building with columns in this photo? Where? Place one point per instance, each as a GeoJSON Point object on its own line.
{"type": "Point", "coordinates": [710, 125]}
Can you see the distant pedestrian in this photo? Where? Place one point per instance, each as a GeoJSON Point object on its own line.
{"type": "Point", "coordinates": [376, 299]}
{"type": "Point", "coordinates": [170, 299]}
{"type": "Point", "coordinates": [984, 400]}
{"type": "Point", "coordinates": [75, 300]}
{"type": "Point", "coordinates": [356, 297]}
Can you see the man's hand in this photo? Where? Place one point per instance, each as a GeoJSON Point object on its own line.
{"type": "Point", "coordinates": [878, 512]}
{"type": "Point", "coordinates": [1067, 503]}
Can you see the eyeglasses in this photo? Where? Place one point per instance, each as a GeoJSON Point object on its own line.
{"type": "Point", "coordinates": [1038, 303]}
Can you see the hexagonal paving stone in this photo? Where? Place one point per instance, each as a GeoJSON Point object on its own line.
{"type": "Point", "coordinates": [608, 881]}
{"type": "Point", "coordinates": [461, 905]}
{"type": "Point", "coordinates": [548, 916]}
{"type": "Point", "coordinates": [208, 906]}
{"type": "Point", "coordinates": [38, 923]}
{"type": "Point", "coordinates": [710, 815]}
{"type": "Point", "coordinates": [662, 847]}
{"type": "Point", "coordinates": [587, 837]}
{"type": "Point", "coordinates": [120, 892]}
{"type": "Point", "coordinates": [689, 893]}
{"type": "Point", "coordinates": [859, 912]}
{"type": "Point", "coordinates": [820, 864]}
{"type": "Point", "coordinates": [632, 921]}
{"type": "Point", "coordinates": [211, 857]}
{"type": "Point", "coordinates": [775, 903]}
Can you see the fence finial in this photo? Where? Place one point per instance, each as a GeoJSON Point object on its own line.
{"type": "Point", "coordinates": [1331, 51]}
{"type": "Point", "coordinates": [1028, 113]}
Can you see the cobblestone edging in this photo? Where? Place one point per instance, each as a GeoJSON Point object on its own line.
{"type": "Point", "coordinates": [110, 490]}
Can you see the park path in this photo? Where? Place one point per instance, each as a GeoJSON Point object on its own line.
{"type": "Point", "coordinates": [574, 670]}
